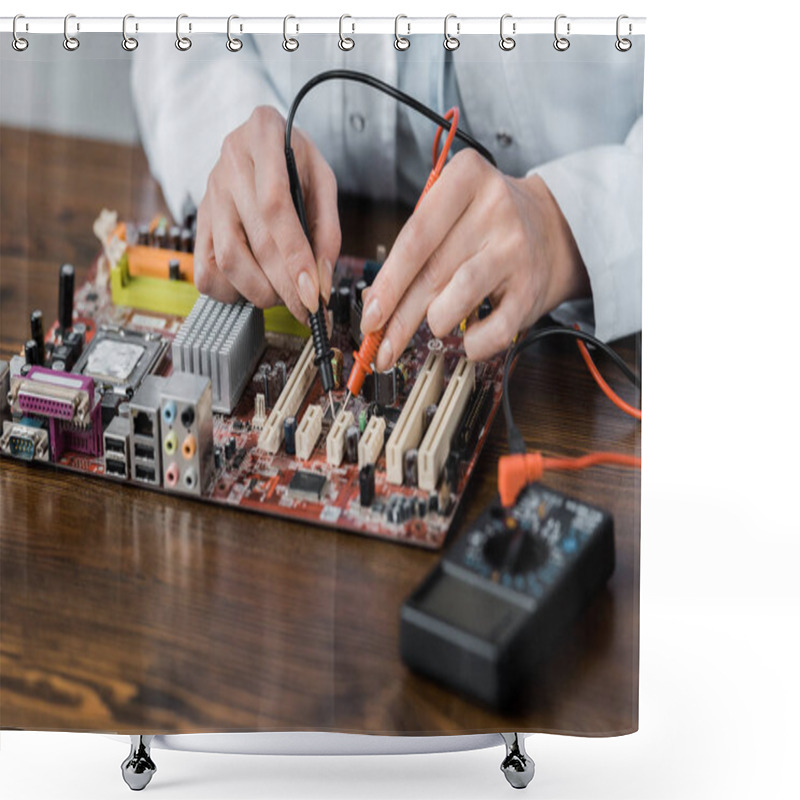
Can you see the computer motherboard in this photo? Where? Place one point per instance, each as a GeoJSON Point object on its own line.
{"type": "Point", "coordinates": [142, 380]}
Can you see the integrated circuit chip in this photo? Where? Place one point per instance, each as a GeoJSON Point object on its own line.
{"type": "Point", "coordinates": [307, 485]}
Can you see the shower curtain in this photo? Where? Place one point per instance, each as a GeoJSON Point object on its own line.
{"type": "Point", "coordinates": [141, 608]}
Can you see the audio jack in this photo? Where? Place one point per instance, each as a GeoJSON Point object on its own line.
{"type": "Point", "coordinates": [324, 353]}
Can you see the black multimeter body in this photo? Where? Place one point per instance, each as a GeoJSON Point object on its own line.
{"type": "Point", "coordinates": [496, 603]}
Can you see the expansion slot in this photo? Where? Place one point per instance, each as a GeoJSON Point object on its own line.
{"type": "Point", "coordinates": [289, 402]}
{"type": "Point", "coordinates": [408, 430]}
{"type": "Point", "coordinates": [53, 394]}
{"type": "Point", "coordinates": [335, 442]}
{"type": "Point", "coordinates": [436, 444]}
{"type": "Point", "coordinates": [371, 443]}
{"type": "Point", "coordinates": [307, 435]}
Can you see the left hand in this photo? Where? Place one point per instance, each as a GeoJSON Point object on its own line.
{"type": "Point", "coordinates": [477, 233]}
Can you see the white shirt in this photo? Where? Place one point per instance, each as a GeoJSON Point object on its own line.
{"type": "Point", "coordinates": [573, 117]}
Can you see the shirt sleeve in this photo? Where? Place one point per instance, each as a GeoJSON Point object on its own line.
{"type": "Point", "coordinates": [599, 191]}
{"type": "Point", "coordinates": [187, 102]}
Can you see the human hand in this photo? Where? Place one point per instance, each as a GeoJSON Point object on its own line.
{"type": "Point", "coordinates": [249, 238]}
{"type": "Point", "coordinates": [477, 233]}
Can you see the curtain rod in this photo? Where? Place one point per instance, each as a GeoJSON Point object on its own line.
{"type": "Point", "coordinates": [406, 26]}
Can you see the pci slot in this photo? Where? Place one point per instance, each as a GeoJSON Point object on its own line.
{"type": "Point", "coordinates": [53, 394]}
{"type": "Point", "coordinates": [289, 402]}
{"type": "Point", "coordinates": [307, 434]}
{"type": "Point", "coordinates": [408, 430]}
{"type": "Point", "coordinates": [335, 441]}
{"type": "Point", "coordinates": [371, 443]}
{"type": "Point", "coordinates": [436, 444]}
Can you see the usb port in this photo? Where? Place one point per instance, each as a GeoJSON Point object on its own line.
{"type": "Point", "coordinates": [115, 445]}
{"type": "Point", "coordinates": [144, 452]}
{"type": "Point", "coordinates": [116, 468]}
{"type": "Point", "coordinates": [145, 474]}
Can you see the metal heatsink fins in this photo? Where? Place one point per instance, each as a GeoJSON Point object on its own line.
{"type": "Point", "coordinates": [223, 342]}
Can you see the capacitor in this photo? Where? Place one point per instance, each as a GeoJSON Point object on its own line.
{"type": "Point", "coordinates": [143, 235]}
{"type": "Point", "coordinates": [451, 469]}
{"type": "Point", "coordinates": [160, 236]}
{"type": "Point", "coordinates": [217, 456]}
{"type": "Point", "coordinates": [351, 444]}
{"type": "Point", "coordinates": [485, 308]}
{"type": "Point", "coordinates": [32, 353]}
{"type": "Point", "coordinates": [337, 363]}
{"type": "Point", "coordinates": [422, 507]}
{"type": "Point", "coordinates": [340, 303]}
{"type": "Point", "coordinates": [66, 293]}
{"type": "Point", "coordinates": [410, 467]}
{"type": "Point", "coordinates": [430, 413]}
{"type": "Point", "coordinates": [279, 369]}
{"type": "Point", "coordinates": [37, 332]}
{"type": "Point", "coordinates": [174, 269]}
{"type": "Point", "coordinates": [175, 237]}
{"type": "Point", "coordinates": [289, 430]}
{"type": "Point", "coordinates": [362, 420]}
{"type": "Point", "coordinates": [230, 447]}
{"type": "Point", "coordinates": [366, 484]}
{"type": "Point", "coordinates": [187, 245]}
{"type": "Point", "coordinates": [74, 340]}
{"type": "Point", "coordinates": [267, 394]}
{"type": "Point", "coordinates": [386, 387]}
{"type": "Point", "coordinates": [361, 284]}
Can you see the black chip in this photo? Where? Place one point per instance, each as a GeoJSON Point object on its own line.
{"type": "Point", "coordinates": [307, 485]}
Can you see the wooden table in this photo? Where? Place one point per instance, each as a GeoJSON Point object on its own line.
{"type": "Point", "coordinates": [125, 610]}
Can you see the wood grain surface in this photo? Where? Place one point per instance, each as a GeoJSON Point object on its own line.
{"type": "Point", "coordinates": [125, 610]}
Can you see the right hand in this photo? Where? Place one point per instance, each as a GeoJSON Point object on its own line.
{"type": "Point", "coordinates": [249, 239]}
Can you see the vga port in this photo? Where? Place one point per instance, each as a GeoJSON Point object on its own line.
{"type": "Point", "coordinates": [25, 442]}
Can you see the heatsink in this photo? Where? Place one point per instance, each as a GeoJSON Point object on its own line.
{"type": "Point", "coordinates": [223, 342]}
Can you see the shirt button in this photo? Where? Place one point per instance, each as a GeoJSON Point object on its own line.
{"type": "Point", "coordinates": [504, 138]}
{"type": "Point", "coordinates": [357, 121]}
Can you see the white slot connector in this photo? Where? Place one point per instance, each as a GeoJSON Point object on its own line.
{"type": "Point", "coordinates": [408, 430]}
{"type": "Point", "coordinates": [307, 434]}
{"type": "Point", "coordinates": [260, 415]}
{"type": "Point", "coordinates": [371, 442]}
{"type": "Point", "coordinates": [289, 402]}
{"type": "Point", "coordinates": [436, 444]}
{"type": "Point", "coordinates": [335, 442]}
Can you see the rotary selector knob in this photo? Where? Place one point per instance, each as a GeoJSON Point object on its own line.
{"type": "Point", "coordinates": [513, 548]}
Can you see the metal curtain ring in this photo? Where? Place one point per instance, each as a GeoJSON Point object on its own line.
{"type": "Point", "coordinates": [183, 43]}
{"type": "Point", "coordinates": [623, 45]}
{"type": "Point", "coordinates": [561, 43]}
{"type": "Point", "coordinates": [70, 42]}
{"type": "Point", "coordinates": [507, 42]}
{"type": "Point", "coordinates": [345, 42]}
{"type": "Point", "coordinates": [451, 42]}
{"type": "Point", "coordinates": [233, 44]}
{"type": "Point", "coordinates": [401, 42]}
{"type": "Point", "coordinates": [18, 43]}
{"type": "Point", "coordinates": [128, 42]}
{"type": "Point", "coordinates": [289, 44]}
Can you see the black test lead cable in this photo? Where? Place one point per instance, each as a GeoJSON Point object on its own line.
{"type": "Point", "coordinates": [316, 321]}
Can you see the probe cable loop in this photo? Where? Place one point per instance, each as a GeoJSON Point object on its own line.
{"type": "Point", "coordinates": [345, 42]}
{"type": "Point", "coordinates": [70, 43]}
{"type": "Point", "coordinates": [401, 42]}
{"type": "Point", "coordinates": [561, 43]}
{"type": "Point", "coordinates": [129, 43]}
{"type": "Point", "coordinates": [289, 44]}
{"type": "Point", "coordinates": [623, 45]}
{"type": "Point", "coordinates": [183, 43]}
{"type": "Point", "coordinates": [18, 42]}
{"type": "Point", "coordinates": [233, 44]}
{"type": "Point", "coordinates": [507, 42]}
{"type": "Point", "coordinates": [451, 42]}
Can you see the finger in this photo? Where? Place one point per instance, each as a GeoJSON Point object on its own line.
{"type": "Point", "coordinates": [207, 276]}
{"type": "Point", "coordinates": [234, 258]}
{"type": "Point", "coordinates": [323, 216]}
{"type": "Point", "coordinates": [471, 283]}
{"type": "Point", "coordinates": [494, 333]}
{"type": "Point", "coordinates": [426, 229]}
{"type": "Point", "coordinates": [297, 281]}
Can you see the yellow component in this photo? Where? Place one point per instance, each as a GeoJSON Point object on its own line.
{"type": "Point", "coordinates": [171, 443]}
{"type": "Point", "coordinates": [279, 319]}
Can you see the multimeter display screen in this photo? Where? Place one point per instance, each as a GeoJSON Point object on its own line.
{"type": "Point", "coordinates": [469, 608]}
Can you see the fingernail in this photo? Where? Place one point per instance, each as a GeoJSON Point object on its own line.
{"type": "Point", "coordinates": [384, 359]}
{"type": "Point", "coordinates": [371, 317]}
{"type": "Point", "coordinates": [308, 294]}
{"type": "Point", "coordinates": [325, 269]}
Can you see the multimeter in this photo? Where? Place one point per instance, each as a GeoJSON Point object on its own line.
{"type": "Point", "coordinates": [495, 604]}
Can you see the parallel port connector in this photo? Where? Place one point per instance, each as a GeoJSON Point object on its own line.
{"type": "Point", "coordinates": [53, 394]}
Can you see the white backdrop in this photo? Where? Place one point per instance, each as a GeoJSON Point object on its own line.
{"type": "Point", "coordinates": [720, 604]}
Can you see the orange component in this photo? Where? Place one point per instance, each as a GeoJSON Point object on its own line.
{"type": "Point", "coordinates": [514, 472]}
{"type": "Point", "coordinates": [362, 365]}
{"type": "Point", "coordinates": [153, 262]}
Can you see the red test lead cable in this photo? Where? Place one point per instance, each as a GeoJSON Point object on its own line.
{"type": "Point", "coordinates": [364, 358]}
